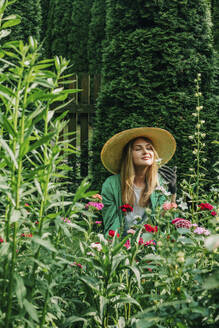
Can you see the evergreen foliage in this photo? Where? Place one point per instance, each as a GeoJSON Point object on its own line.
{"type": "Point", "coordinates": [96, 36]}
{"type": "Point", "coordinates": [215, 16]}
{"type": "Point", "coordinates": [45, 6]}
{"type": "Point", "coordinates": [31, 19]}
{"type": "Point", "coordinates": [78, 37]}
{"type": "Point", "coordinates": [59, 28]}
{"type": "Point", "coordinates": [152, 54]}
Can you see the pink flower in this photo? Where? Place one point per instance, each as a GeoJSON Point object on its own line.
{"type": "Point", "coordinates": [206, 206]}
{"type": "Point", "coordinates": [26, 205]}
{"type": "Point", "coordinates": [98, 246]}
{"type": "Point", "coordinates": [77, 264]}
{"type": "Point", "coordinates": [202, 231]}
{"type": "Point", "coordinates": [131, 231]}
{"type": "Point", "coordinates": [150, 242]}
{"type": "Point", "coordinates": [181, 223]}
{"type": "Point", "coordinates": [97, 196]}
{"type": "Point", "coordinates": [168, 206]}
{"type": "Point", "coordinates": [213, 213]}
{"type": "Point", "coordinates": [96, 205]}
{"type": "Point", "coordinates": [127, 244]}
{"type": "Point", "coordinates": [98, 222]}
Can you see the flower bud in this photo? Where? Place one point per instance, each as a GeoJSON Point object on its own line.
{"type": "Point", "coordinates": [202, 121]}
{"type": "Point", "coordinates": [180, 259]}
{"type": "Point", "coordinates": [191, 137]}
{"type": "Point", "coordinates": [203, 135]}
{"type": "Point", "coordinates": [195, 114]}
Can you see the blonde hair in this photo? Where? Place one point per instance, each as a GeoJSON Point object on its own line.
{"type": "Point", "coordinates": [127, 174]}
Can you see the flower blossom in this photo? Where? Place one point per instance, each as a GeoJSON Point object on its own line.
{"type": "Point", "coordinates": [98, 246]}
{"type": "Point", "coordinates": [127, 244]}
{"type": "Point", "coordinates": [149, 228]}
{"type": "Point", "coordinates": [202, 231]}
{"type": "Point", "coordinates": [1, 240]}
{"type": "Point", "coordinates": [168, 206]}
{"type": "Point", "coordinates": [112, 233]}
{"type": "Point", "coordinates": [97, 196]}
{"type": "Point", "coordinates": [66, 220]}
{"type": "Point", "coordinates": [213, 213]}
{"type": "Point", "coordinates": [96, 205]}
{"type": "Point", "coordinates": [181, 223]}
{"type": "Point", "coordinates": [77, 264]}
{"type": "Point", "coordinates": [98, 222]}
{"type": "Point", "coordinates": [206, 206]}
{"type": "Point", "coordinates": [126, 208]}
{"type": "Point", "coordinates": [28, 235]}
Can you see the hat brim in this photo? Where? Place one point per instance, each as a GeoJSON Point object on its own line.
{"type": "Point", "coordinates": [162, 140]}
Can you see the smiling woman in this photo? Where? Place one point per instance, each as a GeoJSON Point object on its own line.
{"type": "Point", "coordinates": [133, 156]}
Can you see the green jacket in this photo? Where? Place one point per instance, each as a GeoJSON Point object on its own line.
{"type": "Point", "coordinates": [112, 199]}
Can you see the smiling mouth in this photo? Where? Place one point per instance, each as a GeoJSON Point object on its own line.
{"type": "Point", "coordinates": [146, 158]}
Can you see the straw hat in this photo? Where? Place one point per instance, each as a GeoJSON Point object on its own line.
{"type": "Point", "coordinates": [162, 140]}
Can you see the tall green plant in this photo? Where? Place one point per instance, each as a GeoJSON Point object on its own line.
{"type": "Point", "coordinates": [33, 172]}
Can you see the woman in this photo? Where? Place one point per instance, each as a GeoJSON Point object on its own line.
{"type": "Point", "coordinates": [133, 156]}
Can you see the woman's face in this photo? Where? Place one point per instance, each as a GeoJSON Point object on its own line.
{"type": "Point", "coordinates": [142, 153]}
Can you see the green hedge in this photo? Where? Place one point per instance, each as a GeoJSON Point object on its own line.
{"type": "Point", "coordinates": [31, 19]}
{"type": "Point", "coordinates": [152, 54]}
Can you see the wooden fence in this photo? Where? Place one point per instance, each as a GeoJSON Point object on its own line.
{"type": "Point", "coordinates": [80, 112]}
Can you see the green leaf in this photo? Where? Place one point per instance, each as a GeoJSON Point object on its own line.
{"type": "Point", "coordinates": [127, 299]}
{"type": "Point", "coordinates": [15, 216]}
{"type": "Point", "coordinates": [73, 319]}
{"type": "Point", "coordinates": [31, 310]}
{"type": "Point", "coordinates": [11, 22]}
{"type": "Point", "coordinates": [20, 290]}
{"type": "Point", "coordinates": [7, 125]}
{"type": "Point", "coordinates": [41, 141]}
{"type": "Point", "coordinates": [45, 243]}
{"type": "Point", "coordinates": [9, 152]}
{"type": "Point", "coordinates": [6, 92]}
{"type": "Point", "coordinates": [119, 245]}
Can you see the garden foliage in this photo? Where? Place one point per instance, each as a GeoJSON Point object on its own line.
{"type": "Point", "coordinates": [151, 57]}
{"type": "Point", "coordinates": [57, 269]}
{"type": "Point", "coordinates": [31, 19]}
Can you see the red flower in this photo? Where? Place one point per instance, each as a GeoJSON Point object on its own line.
{"type": "Point", "coordinates": [141, 241]}
{"type": "Point", "coordinates": [1, 240]}
{"type": "Point", "coordinates": [206, 206]}
{"type": "Point", "coordinates": [126, 208]}
{"type": "Point", "coordinates": [29, 235]}
{"type": "Point", "coordinates": [112, 233]}
{"type": "Point", "coordinates": [127, 244]}
{"type": "Point", "coordinates": [213, 213]}
{"type": "Point", "coordinates": [149, 228]}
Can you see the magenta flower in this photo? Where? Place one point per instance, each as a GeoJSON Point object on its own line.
{"type": "Point", "coordinates": [127, 244]}
{"type": "Point", "coordinates": [213, 213]}
{"type": "Point", "coordinates": [98, 222]}
{"type": "Point", "coordinates": [96, 205]}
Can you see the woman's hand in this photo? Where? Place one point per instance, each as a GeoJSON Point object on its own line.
{"type": "Point", "coordinates": [170, 177]}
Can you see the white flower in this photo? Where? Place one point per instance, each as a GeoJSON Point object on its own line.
{"type": "Point", "coordinates": [97, 246]}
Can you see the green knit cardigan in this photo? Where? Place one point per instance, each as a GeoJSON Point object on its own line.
{"type": "Point", "coordinates": [112, 199]}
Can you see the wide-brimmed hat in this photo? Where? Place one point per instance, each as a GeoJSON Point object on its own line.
{"type": "Point", "coordinates": [162, 140]}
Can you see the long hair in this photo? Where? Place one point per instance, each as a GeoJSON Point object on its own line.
{"type": "Point", "coordinates": [127, 174]}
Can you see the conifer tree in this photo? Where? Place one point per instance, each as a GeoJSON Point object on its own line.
{"type": "Point", "coordinates": [96, 36]}
{"type": "Point", "coordinates": [31, 19]}
{"type": "Point", "coordinates": [59, 28]}
{"type": "Point", "coordinates": [78, 37]}
{"type": "Point", "coordinates": [152, 54]}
